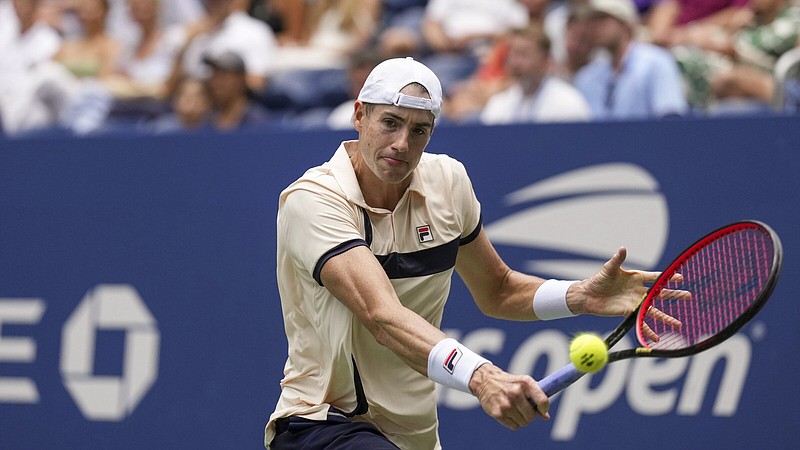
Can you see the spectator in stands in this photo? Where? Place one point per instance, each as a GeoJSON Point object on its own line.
{"type": "Point", "coordinates": [71, 88]}
{"type": "Point", "coordinates": [95, 53]}
{"type": "Point", "coordinates": [126, 28]}
{"type": "Point", "coordinates": [695, 22]}
{"type": "Point", "coordinates": [360, 65]}
{"type": "Point", "coordinates": [145, 68]}
{"type": "Point", "coordinates": [227, 27]}
{"type": "Point", "coordinates": [191, 108]}
{"type": "Point", "coordinates": [555, 25]}
{"type": "Point", "coordinates": [459, 32]}
{"type": "Point", "coordinates": [333, 30]}
{"type": "Point", "coordinates": [635, 79]}
{"type": "Point", "coordinates": [467, 97]}
{"type": "Point", "coordinates": [26, 43]}
{"type": "Point", "coordinates": [696, 31]}
{"type": "Point", "coordinates": [535, 95]}
{"type": "Point", "coordinates": [231, 98]}
{"type": "Point", "coordinates": [754, 50]}
{"type": "Point", "coordinates": [577, 46]}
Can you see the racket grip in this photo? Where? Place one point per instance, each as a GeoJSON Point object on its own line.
{"type": "Point", "coordinates": [560, 379]}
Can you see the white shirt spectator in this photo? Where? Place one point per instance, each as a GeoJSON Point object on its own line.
{"type": "Point", "coordinates": [21, 56]}
{"type": "Point", "coordinates": [554, 101]}
{"type": "Point", "coordinates": [246, 36]}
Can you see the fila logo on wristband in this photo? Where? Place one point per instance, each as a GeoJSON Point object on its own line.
{"type": "Point", "coordinates": [451, 364]}
{"type": "Point", "coordinates": [452, 359]}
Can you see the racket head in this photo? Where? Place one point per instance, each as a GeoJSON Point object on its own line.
{"type": "Point", "coordinates": [729, 273]}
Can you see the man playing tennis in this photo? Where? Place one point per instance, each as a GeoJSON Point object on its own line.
{"type": "Point", "coordinates": [367, 245]}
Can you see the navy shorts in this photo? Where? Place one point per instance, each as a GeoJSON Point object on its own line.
{"type": "Point", "coordinates": [336, 433]}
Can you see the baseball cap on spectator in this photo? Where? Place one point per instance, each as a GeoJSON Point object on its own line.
{"type": "Point", "coordinates": [384, 83]}
{"type": "Point", "coordinates": [228, 61]}
{"type": "Point", "coordinates": [622, 10]}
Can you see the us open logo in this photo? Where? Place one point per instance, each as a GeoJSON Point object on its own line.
{"type": "Point", "coordinates": [424, 233]}
{"type": "Point", "coordinates": [625, 205]}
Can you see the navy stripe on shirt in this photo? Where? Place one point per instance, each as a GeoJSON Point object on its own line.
{"type": "Point", "coordinates": [405, 265]}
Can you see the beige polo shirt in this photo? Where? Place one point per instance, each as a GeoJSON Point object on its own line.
{"type": "Point", "coordinates": [324, 214]}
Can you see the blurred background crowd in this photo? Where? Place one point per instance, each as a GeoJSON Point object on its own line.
{"type": "Point", "coordinates": [156, 66]}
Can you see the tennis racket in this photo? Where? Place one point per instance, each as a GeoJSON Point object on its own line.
{"type": "Point", "coordinates": [712, 289]}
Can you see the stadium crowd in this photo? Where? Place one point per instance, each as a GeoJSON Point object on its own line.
{"type": "Point", "coordinates": [154, 66]}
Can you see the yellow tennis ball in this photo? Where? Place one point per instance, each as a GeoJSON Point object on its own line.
{"type": "Point", "coordinates": [588, 352]}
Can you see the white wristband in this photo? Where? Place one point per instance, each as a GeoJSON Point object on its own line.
{"type": "Point", "coordinates": [550, 300]}
{"type": "Point", "coordinates": [451, 364]}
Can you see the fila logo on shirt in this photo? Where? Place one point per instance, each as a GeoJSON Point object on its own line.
{"type": "Point", "coordinates": [424, 233]}
{"type": "Point", "coordinates": [452, 359]}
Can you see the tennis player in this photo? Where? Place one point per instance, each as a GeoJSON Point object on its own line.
{"type": "Point", "coordinates": [367, 246]}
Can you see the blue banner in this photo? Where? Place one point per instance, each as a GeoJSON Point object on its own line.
{"type": "Point", "coordinates": [138, 302]}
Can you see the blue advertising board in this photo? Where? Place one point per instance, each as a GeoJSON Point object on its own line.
{"type": "Point", "coordinates": [139, 308]}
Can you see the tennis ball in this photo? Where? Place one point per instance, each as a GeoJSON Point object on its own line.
{"type": "Point", "coordinates": [588, 352]}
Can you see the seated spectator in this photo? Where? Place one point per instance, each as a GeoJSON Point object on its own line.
{"type": "Point", "coordinates": [231, 99]}
{"type": "Point", "coordinates": [535, 95]}
{"type": "Point", "coordinates": [227, 27]}
{"type": "Point", "coordinates": [70, 86]}
{"type": "Point", "coordinates": [334, 29]}
{"type": "Point", "coordinates": [126, 28]}
{"type": "Point", "coordinates": [191, 108]}
{"type": "Point", "coordinates": [634, 80]}
{"type": "Point", "coordinates": [26, 44]}
{"type": "Point", "coordinates": [468, 97]}
{"type": "Point", "coordinates": [144, 69]}
{"type": "Point", "coordinates": [555, 25]}
{"type": "Point", "coordinates": [754, 51]}
{"type": "Point", "coordinates": [459, 32]}
{"type": "Point", "coordinates": [697, 23]}
{"type": "Point", "coordinates": [95, 53]}
{"type": "Point", "coordinates": [577, 51]}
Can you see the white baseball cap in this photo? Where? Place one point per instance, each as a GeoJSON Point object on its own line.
{"type": "Point", "coordinates": [384, 83]}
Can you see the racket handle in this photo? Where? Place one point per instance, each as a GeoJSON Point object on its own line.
{"type": "Point", "coordinates": [560, 379]}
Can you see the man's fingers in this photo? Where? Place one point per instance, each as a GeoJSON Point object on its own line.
{"type": "Point", "coordinates": [649, 333]}
{"type": "Point", "coordinates": [649, 276]}
{"type": "Point", "coordinates": [619, 257]}
{"type": "Point", "coordinates": [539, 400]}
{"type": "Point", "coordinates": [674, 294]}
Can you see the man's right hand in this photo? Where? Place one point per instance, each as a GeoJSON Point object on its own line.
{"type": "Point", "coordinates": [510, 399]}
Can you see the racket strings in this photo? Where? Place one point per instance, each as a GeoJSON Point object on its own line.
{"type": "Point", "coordinates": [724, 278]}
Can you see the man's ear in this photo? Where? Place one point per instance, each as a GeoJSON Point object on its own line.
{"type": "Point", "coordinates": [358, 114]}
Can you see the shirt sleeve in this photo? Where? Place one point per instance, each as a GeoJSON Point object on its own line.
{"type": "Point", "coordinates": [313, 225]}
